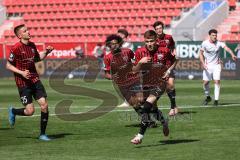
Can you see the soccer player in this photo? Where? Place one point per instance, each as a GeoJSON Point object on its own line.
{"type": "Point", "coordinates": [119, 68]}
{"type": "Point", "coordinates": [210, 60]}
{"type": "Point", "coordinates": [166, 40]}
{"type": "Point", "coordinates": [123, 33]}
{"type": "Point", "coordinates": [153, 81]}
{"type": "Point", "coordinates": [21, 62]}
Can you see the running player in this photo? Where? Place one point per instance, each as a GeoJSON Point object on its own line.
{"type": "Point", "coordinates": [21, 62]}
{"type": "Point", "coordinates": [166, 41]}
{"type": "Point", "coordinates": [123, 33]}
{"type": "Point", "coordinates": [154, 80]}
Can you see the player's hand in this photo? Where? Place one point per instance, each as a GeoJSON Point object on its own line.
{"type": "Point", "coordinates": [145, 60]}
{"type": "Point", "coordinates": [49, 49]}
{"type": "Point", "coordinates": [166, 74]}
{"type": "Point", "coordinates": [234, 57]}
{"type": "Point", "coordinates": [205, 66]}
{"type": "Point", "coordinates": [26, 74]}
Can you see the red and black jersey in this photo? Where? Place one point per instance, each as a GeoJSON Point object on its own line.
{"type": "Point", "coordinates": [166, 40]}
{"type": "Point", "coordinates": [120, 66]}
{"type": "Point", "coordinates": [160, 62]}
{"type": "Point", "coordinates": [23, 57]}
{"type": "Point", "coordinates": [160, 56]}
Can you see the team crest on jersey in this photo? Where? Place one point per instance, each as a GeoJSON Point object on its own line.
{"type": "Point", "coordinates": [33, 51]}
{"type": "Point", "coordinates": [160, 57]}
{"type": "Point", "coordinates": [125, 58]}
{"type": "Point", "coordinates": [167, 41]}
{"type": "Point", "coordinates": [11, 57]}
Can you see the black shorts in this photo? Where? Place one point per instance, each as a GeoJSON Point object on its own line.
{"type": "Point", "coordinates": [36, 90]}
{"type": "Point", "coordinates": [172, 73]}
{"type": "Point", "coordinates": [130, 91]}
{"type": "Point", "coordinates": [153, 90]}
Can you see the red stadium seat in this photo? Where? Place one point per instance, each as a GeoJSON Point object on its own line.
{"type": "Point", "coordinates": [94, 17]}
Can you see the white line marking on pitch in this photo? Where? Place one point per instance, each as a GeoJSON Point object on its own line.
{"type": "Point", "coordinates": [128, 110]}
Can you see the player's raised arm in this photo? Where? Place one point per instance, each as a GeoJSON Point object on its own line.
{"type": "Point", "coordinates": [230, 52]}
{"type": "Point", "coordinates": [44, 53]}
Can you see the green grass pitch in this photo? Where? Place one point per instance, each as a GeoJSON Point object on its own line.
{"type": "Point", "coordinates": [199, 133]}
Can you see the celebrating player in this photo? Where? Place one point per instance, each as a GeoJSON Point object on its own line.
{"type": "Point", "coordinates": [21, 62]}
{"type": "Point", "coordinates": [119, 68]}
{"type": "Point", "coordinates": [123, 33]}
{"type": "Point", "coordinates": [154, 80]}
{"type": "Point", "coordinates": [166, 41]}
{"type": "Point", "coordinates": [210, 60]}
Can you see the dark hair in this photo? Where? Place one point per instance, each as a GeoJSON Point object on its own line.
{"type": "Point", "coordinates": [150, 34]}
{"type": "Point", "coordinates": [113, 37]}
{"type": "Point", "coordinates": [17, 28]}
{"type": "Point", "coordinates": [123, 31]}
{"type": "Point", "coordinates": [157, 23]}
{"type": "Point", "coordinates": [212, 31]}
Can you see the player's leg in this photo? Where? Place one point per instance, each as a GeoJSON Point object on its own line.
{"type": "Point", "coordinates": [26, 99]}
{"type": "Point", "coordinates": [171, 92]}
{"type": "Point", "coordinates": [44, 118]}
{"type": "Point", "coordinates": [40, 96]}
{"type": "Point", "coordinates": [207, 76]}
{"type": "Point", "coordinates": [216, 78]}
{"type": "Point", "coordinates": [145, 117]}
{"type": "Point", "coordinates": [124, 104]}
{"type": "Point", "coordinates": [147, 106]}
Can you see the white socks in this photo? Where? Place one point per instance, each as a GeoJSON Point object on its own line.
{"type": "Point", "coordinates": [140, 136]}
{"type": "Point", "coordinates": [216, 91]}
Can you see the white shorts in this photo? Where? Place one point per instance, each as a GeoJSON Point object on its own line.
{"type": "Point", "coordinates": [213, 72]}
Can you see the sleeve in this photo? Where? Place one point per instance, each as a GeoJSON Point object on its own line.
{"type": "Point", "coordinates": [12, 57]}
{"type": "Point", "coordinates": [131, 54]}
{"type": "Point", "coordinates": [107, 63]}
{"type": "Point", "coordinates": [222, 44]}
{"type": "Point", "coordinates": [202, 48]}
{"type": "Point", "coordinates": [172, 43]}
{"type": "Point", "coordinates": [37, 56]}
{"type": "Point", "coordinates": [137, 56]}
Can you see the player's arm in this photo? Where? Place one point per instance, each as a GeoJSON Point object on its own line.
{"type": "Point", "coordinates": [43, 54]}
{"type": "Point", "coordinates": [25, 74]}
{"type": "Point", "coordinates": [230, 52]}
{"type": "Point", "coordinates": [137, 67]}
{"type": "Point", "coordinates": [202, 60]}
{"type": "Point", "coordinates": [167, 73]}
{"type": "Point", "coordinates": [108, 75]}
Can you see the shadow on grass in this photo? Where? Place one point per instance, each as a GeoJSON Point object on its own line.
{"type": "Point", "coordinates": [4, 129]}
{"type": "Point", "coordinates": [52, 136]}
{"type": "Point", "coordinates": [168, 142]}
{"type": "Point", "coordinates": [186, 112]}
{"type": "Point", "coordinates": [133, 125]}
{"type": "Point", "coordinates": [61, 135]}
{"type": "Point", "coordinates": [164, 142]}
{"type": "Point", "coordinates": [225, 104]}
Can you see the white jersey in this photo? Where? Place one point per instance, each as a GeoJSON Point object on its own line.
{"type": "Point", "coordinates": [128, 45]}
{"type": "Point", "coordinates": [211, 51]}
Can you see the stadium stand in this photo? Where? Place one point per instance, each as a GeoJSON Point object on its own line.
{"type": "Point", "coordinates": [90, 20]}
{"type": "Point", "coordinates": [229, 30]}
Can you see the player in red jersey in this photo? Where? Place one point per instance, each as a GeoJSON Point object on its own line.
{"type": "Point", "coordinates": [119, 68]}
{"type": "Point", "coordinates": [166, 41]}
{"type": "Point", "coordinates": [21, 62]}
{"type": "Point", "coordinates": [154, 80]}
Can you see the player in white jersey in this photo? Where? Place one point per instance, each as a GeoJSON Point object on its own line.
{"type": "Point", "coordinates": [211, 62]}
